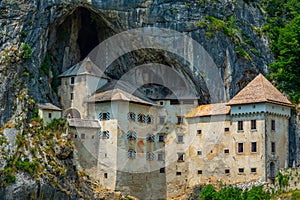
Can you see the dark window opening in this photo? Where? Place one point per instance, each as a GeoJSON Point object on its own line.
{"type": "Point", "coordinates": [240, 126]}
{"type": "Point", "coordinates": [227, 171]}
{"type": "Point", "coordinates": [50, 115]}
{"type": "Point", "coordinates": [273, 125]}
{"type": "Point", "coordinates": [72, 81]}
{"type": "Point", "coordinates": [273, 148]}
{"type": "Point", "coordinates": [226, 151]}
{"type": "Point", "coordinates": [253, 147]}
{"type": "Point", "coordinates": [179, 120]}
{"type": "Point", "coordinates": [226, 129]}
{"type": "Point", "coordinates": [199, 132]}
{"type": "Point", "coordinates": [199, 171]}
{"type": "Point", "coordinates": [180, 157]}
{"type": "Point", "coordinates": [162, 170]}
{"type": "Point", "coordinates": [240, 147]}
{"type": "Point", "coordinates": [180, 139]}
{"type": "Point", "coordinates": [105, 175]}
{"type": "Point", "coordinates": [253, 124]}
{"type": "Point", "coordinates": [253, 170]}
{"type": "Point", "coordinates": [199, 153]}
{"type": "Point", "coordinates": [174, 102]}
{"type": "Point", "coordinates": [241, 170]}
{"type": "Point", "coordinates": [161, 138]}
{"type": "Point", "coordinates": [178, 173]}
{"type": "Point", "coordinates": [71, 96]}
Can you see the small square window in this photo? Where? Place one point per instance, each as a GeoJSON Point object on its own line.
{"type": "Point", "coordinates": [253, 147]}
{"type": "Point", "coordinates": [199, 171]}
{"type": "Point", "coordinates": [240, 126]}
{"type": "Point", "coordinates": [105, 175]}
{"type": "Point", "coordinates": [162, 170]}
{"type": "Point", "coordinates": [178, 173]}
{"type": "Point", "coordinates": [253, 170]}
{"type": "Point", "coordinates": [161, 120]}
{"type": "Point", "coordinates": [240, 147]}
{"type": "Point", "coordinates": [180, 139]}
{"type": "Point", "coordinates": [179, 120]}
{"type": "Point", "coordinates": [199, 132]}
{"type": "Point", "coordinates": [50, 115]}
{"type": "Point", "coordinates": [76, 136]}
{"type": "Point", "coordinates": [241, 170]}
{"type": "Point", "coordinates": [226, 151]}
{"type": "Point", "coordinates": [161, 138]}
{"type": "Point", "coordinates": [226, 129]}
{"type": "Point", "coordinates": [199, 153]}
{"type": "Point", "coordinates": [180, 157]}
{"type": "Point", "coordinates": [160, 156]}
{"type": "Point", "coordinates": [227, 171]}
{"type": "Point", "coordinates": [161, 103]}
{"type": "Point", "coordinates": [253, 124]}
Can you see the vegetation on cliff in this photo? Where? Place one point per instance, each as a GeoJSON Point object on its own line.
{"type": "Point", "coordinates": [283, 27]}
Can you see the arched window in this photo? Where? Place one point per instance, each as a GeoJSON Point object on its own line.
{"type": "Point", "coordinates": [131, 116]}
{"type": "Point", "coordinates": [141, 118]}
{"type": "Point", "coordinates": [150, 156]}
{"type": "Point", "coordinates": [104, 135]}
{"type": "Point", "coordinates": [150, 137]}
{"type": "Point", "coordinates": [131, 135]}
{"type": "Point", "coordinates": [104, 116]}
{"type": "Point", "coordinates": [131, 154]}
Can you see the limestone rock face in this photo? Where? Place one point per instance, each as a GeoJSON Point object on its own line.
{"type": "Point", "coordinates": [41, 39]}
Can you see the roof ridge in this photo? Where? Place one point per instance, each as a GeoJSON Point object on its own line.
{"type": "Point", "coordinates": [263, 85]}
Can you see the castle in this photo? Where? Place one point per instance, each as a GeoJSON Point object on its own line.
{"type": "Point", "coordinates": [158, 148]}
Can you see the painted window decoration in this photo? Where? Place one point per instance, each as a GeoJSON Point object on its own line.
{"type": "Point", "coordinates": [140, 118]}
{"type": "Point", "coordinates": [180, 138]}
{"type": "Point", "coordinates": [150, 137]}
{"type": "Point", "coordinates": [131, 116]}
{"type": "Point", "coordinates": [131, 135]}
{"type": "Point", "coordinates": [104, 116]}
{"type": "Point", "coordinates": [161, 120]}
{"type": "Point", "coordinates": [104, 135]}
{"type": "Point", "coordinates": [160, 156]}
{"type": "Point", "coordinates": [131, 154]}
{"type": "Point", "coordinates": [150, 156]}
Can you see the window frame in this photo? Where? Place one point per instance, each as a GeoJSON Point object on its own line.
{"type": "Point", "coordinates": [72, 80]}
{"type": "Point", "coordinates": [252, 143]}
{"type": "Point", "coordinates": [240, 125]}
{"type": "Point", "coordinates": [253, 125]}
{"type": "Point", "coordinates": [180, 157]}
{"type": "Point", "coordinates": [227, 171]}
{"type": "Point", "coordinates": [238, 147]}
{"type": "Point", "coordinates": [273, 148]}
{"type": "Point", "coordinates": [241, 170]}
{"type": "Point", "coordinates": [226, 129]}
{"type": "Point", "coordinates": [226, 149]}
{"type": "Point", "coordinates": [253, 170]}
{"type": "Point", "coordinates": [273, 125]}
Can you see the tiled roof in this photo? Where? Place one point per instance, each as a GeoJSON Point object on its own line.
{"type": "Point", "coordinates": [48, 106]}
{"type": "Point", "coordinates": [84, 123]}
{"type": "Point", "coordinates": [259, 90]}
{"type": "Point", "coordinates": [117, 90]}
{"type": "Point", "coordinates": [209, 109]}
{"type": "Point", "coordinates": [81, 69]}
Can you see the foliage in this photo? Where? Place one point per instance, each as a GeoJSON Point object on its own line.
{"type": "Point", "coordinates": [296, 195]}
{"type": "Point", "coordinates": [283, 28]}
{"type": "Point", "coordinates": [282, 180]}
{"type": "Point", "coordinates": [26, 165]}
{"type": "Point", "coordinates": [233, 193]}
{"type": "Point", "coordinates": [26, 51]}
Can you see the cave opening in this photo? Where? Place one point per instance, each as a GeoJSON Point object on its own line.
{"type": "Point", "coordinates": [88, 33]}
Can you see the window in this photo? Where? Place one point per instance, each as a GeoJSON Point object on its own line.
{"type": "Point", "coordinates": [76, 136]}
{"type": "Point", "coordinates": [174, 102]}
{"type": "Point", "coordinates": [162, 170]}
{"type": "Point", "coordinates": [161, 103]}
{"type": "Point", "coordinates": [273, 125]}
{"type": "Point", "coordinates": [241, 170]}
{"type": "Point", "coordinates": [199, 132]}
{"type": "Point", "coordinates": [161, 138]}
{"type": "Point", "coordinates": [199, 171]}
{"type": "Point", "coordinates": [180, 139]}
{"type": "Point", "coordinates": [253, 124]}
{"type": "Point", "coordinates": [150, 156]}
{"type": "Point", "coordinates": [179, 120]}
{"type": "Point", "coordinates": [93, 136]}
{"type": "Point", "coordinates": [104, 135]}
{"type": "Point", "coordinates": [82, 136]}
{"type": "Point", "coordinates": [240, 147]}
{"type": "Point", "coordinates": [227, 171]}
{"type": "Point", "coordinates": [50, 115]}
{"type": "Point", "coordinates": [131, 154]}
{"type": "Point", "coordinates": [273, 149]}
{"type": "Point", "coordinates": [253, 147]}
{"type": "Point", "coordinates": [253, 170]}
{"type": "Point", "coordinates": [141, 118]}
{"type": "Point", "coordinates": [104, 116]}
{"type": "Point", "coordinates": [105, 175]}
{"type": "Point", "coordinates": [71, 95]}
{"type": "Point", "coordinates": [240, 126]}
{"type": "Point", "coordinates": [72, 80]}
{"type": "Point", "coordinates": [226, 129]}
{"type": "Point", "coordinates": [199, 153]}
{"type": "Point", "coordinates": [131, 135]}
{"type": "Point", "coordinates": [226, 151]}
{"type": "Point", "coordinates": [150, 138]}
{"type": "Point", "coordinates": [161, 120]}
{"type": "Point", "coordinates": [180, 157]}
{"type": "Point", "coordinates": [178, 173]}
{"type": "Point", "coordinates": [131, 116]}
{"type": "Point", "coordinates": [149, 119]}
{"type": "Point", "coordinates": [160, 156]}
